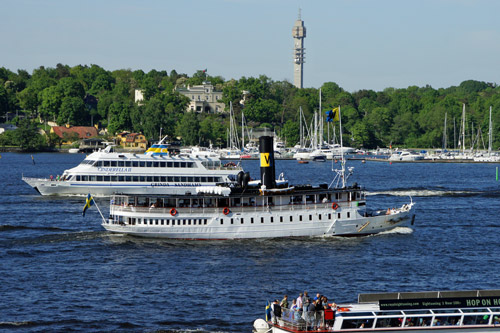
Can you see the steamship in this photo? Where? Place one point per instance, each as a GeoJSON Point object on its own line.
{"type": "Point", "coordinates": [244, 209]}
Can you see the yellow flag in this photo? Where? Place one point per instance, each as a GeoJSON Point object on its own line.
{"type": "Point", "coordinates": [335, 114]}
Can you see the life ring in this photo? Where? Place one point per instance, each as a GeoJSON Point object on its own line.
{"type": "Point", "coordinates": [226, 211]}
{"type": "Point", "coordinates": [335, 206]}
{"type": "Point", "coordinates": [173, 212]}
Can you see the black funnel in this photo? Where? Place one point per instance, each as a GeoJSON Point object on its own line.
{"type": "Point", "coordinates": [267, 173]}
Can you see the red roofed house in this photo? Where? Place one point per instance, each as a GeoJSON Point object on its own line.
{"type": "Point", "coordinates": [69, 132]}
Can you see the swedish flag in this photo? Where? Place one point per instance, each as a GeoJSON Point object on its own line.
{"type": "Point", "coordinates": [88, 203]}
{"type": "Point", "coordinates": [268, 311]}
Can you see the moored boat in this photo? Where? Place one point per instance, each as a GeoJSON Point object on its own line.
{"type": "Point", "coordinates": [242, 210]}
{"type": "Point", "coordinates": [431, 311]}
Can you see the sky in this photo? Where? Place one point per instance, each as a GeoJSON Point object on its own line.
{"type": "Point", "coordinates": [359, 44]}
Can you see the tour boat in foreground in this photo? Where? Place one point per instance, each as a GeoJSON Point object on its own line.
{"type": "Point", "coordinates": [249, 210]}
{"type": "Point", "coordinates": [105, 172]}
{"type": "Point", "coordinates": [431, 311]}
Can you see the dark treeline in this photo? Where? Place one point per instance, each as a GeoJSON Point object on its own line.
{"type": "Point", "coordinates": [87, 95]}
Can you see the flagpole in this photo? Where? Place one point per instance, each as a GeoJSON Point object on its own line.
{"type": "Point", "coordinates": [342, 150]}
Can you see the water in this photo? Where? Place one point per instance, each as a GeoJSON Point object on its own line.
{"type": "Point", "coordinates": [62, 272]}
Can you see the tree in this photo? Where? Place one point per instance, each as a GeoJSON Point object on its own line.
{"type": "Point", "coordinates": [188, 128]}
{"type": "Point", "coordinates": [72, 111]}
{"type": "Point", "coordinates": [27, 136]}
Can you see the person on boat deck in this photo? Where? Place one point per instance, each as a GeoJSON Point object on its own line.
{"type": "Point", "coordinates": [305, 301]}
{"type": "Point", "coordinates": [294, 310]}
{"type": "Point", "coordinates": [299, 301]}
{"type": "Point", "coordinates": [276, 311]}
{"type": "Point", "coordinates": [284, 302]}
{"type": "Point", "coordinates": [319, 312]}
{"type": "Point", "coordinates": [309, 314]}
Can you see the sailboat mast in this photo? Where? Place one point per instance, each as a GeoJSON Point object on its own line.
{"type": "Point", "coordinates": [444, 130]}
{"type": "Point", "coordinates": [463, 129]}
{"type": "Point", "coordinates": [490, 135]}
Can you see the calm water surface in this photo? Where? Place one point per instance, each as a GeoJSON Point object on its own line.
{"type": "Point", "coordinates": [62, 272]}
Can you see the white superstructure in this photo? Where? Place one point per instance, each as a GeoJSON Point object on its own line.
{"type": "Point", "coordinates": [106, 172]}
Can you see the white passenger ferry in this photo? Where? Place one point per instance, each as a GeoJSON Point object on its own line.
{"type": "Point", "coordinates": [436, 311]}
{"type": "Point", "coordinates": [244, 211]}
{"type": "Point", "coordinates": [105, 172]}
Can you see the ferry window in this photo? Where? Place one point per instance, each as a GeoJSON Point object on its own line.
{"type": "Point", "coordinates": [388, 322]}
{"type": "Point", "coordinates": [107, 178]}
{"type": "Point", "coordinates": [348, 214]}
{"type": "Point", "coordinates": [142, 164]}
{"type": "Point", "coordinates": [291, 218]}
{"type": "Point", "coordinates": [121, 163]}
{"type": "Point", "coordinates": [128, 178]}
{"type": "Point", "coordinates": [149, 164]}
{"type": "Point", "coordinates": [163, 179]}
{"type": "Point", "coordinates": [183, 164]}
{"type": "Point", "coordinates": [156, 179]}
{"type": "Point", "coordinates": [329, 216]}
{"type": "Point", "coordinates": [189, 222]}
{"type": "Point", "coordinates": [142, 178]}
{"type": "Point", "coordinates": [357, 323]}
{"type": "Point", "coordinates": [77, 178]}
{"type": "Point", "coordinates": [242, 219]}
{"type": "Point", "coordinates": [310, 217]}
{"type": "Point", "coordinates": [149, 179]}
{"type": "Point", "coordinates": [135, 178]}
{"type": "Point", "coordinates": [121, 178]}
{"type": "Point", "coordinates": [170, 179]}
{"type": "Point", "coordinates": [251, 220]}
{"type": "Point", "coordinates": [156, 164]}
{"type": "Point", "coordinates": [261, 220]}
{"type": "Point", "coordinates": [272, 219]}
{"type": "Point", "coordinates": [113, 163]}
{"type": "Point", "coordinates": [281, 218]}
{"type": "Point", "coordinates": [205, 221]}
{"type": "Point", "coordinates": [99, 178]}
{"type": "Point", "coordinates": [114, 178]}
{"type": "Point", "coordinates": [176, 164]}
{"type": "Point", "coordinates": [168, 222]}
{"type": "Point", "coordinates": [418, 321]}
{"type": "Point", "coordinates": [135, 164]}
{"type": "Point", "coordinates": [85, 178]}
{"type": "Point", "coordinates": [183, 222]}
{"type": "Point", "coordinates": [106, 163]}
{"type": "Point", "coordinates": [178, 222]}
{"type": "Point", "coordinates": [177, 179]}
{"type": "Point", "coordinates": [203, 179]}
{"type": "Point", "coordinates": [197, 179]}
{"type": "Point", "coordinates": [221, 221]}
{"type": "Point", "coordinates": [128, 164]}
{"type": "Point", "coordinates": [162, 222]}
{"type": "Point", "coordinates": [163, 164]}
{"type": "Point", "coordinates": [300, 218]}
{"type": "Point", "coordinates": [210, 179]}
{"type": "Point", "coordinates": [476, 320]}
{"type": "Point", "coordinates": [338, 215]}
{"type": "Point", "coordinates": [156, 222]}
{"type": "Point", "coordinates": [232, 221]}
{"type": "Point", "coordinates": [183, 179]}
{"type": "Point", "coordinates": [92, 178]}
{"type": "Point", "coordinates": [319, 217]}
{"type": "Point", "coordinates": [449, 320]}
{"type": "Point", "coordinates": [170, 164]}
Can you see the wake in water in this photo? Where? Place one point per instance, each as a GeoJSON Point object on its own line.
{"type": "Point", "coordinates": [436, 192]}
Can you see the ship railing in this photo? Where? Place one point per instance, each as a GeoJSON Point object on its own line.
{"type": "Point", "coordinates": [299, 320]}
{"type": "Point", "coordinates": [233, 209]}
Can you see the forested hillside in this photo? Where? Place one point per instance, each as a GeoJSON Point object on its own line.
{"type": "Point", "coordinates": [85, 95]}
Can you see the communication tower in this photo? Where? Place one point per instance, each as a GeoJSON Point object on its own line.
{"type": "Point", "coordinates": [298, 34]}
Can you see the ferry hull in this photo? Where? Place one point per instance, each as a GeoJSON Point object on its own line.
{"type": "Point", "coordinates": [66, 188]}
{"type": "Point", "coordinates": [474, 329]}
{"type": "Point", "coordinates": [247, 225]}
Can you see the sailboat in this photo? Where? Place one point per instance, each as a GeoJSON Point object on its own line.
{"type": "Point", "coordinates": [490, 157]}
